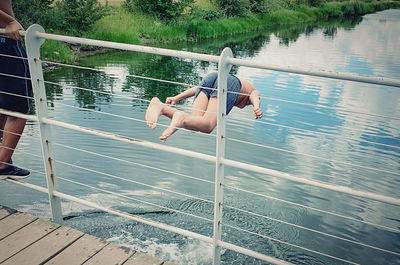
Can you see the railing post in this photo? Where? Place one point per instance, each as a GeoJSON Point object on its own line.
{"type": "Point", "coordinates": [223, 71]}
{"type": "Point", "coordinates": [33, 43]}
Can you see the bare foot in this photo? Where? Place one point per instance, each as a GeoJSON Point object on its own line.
{"type": "Point", "coordinates": [153, 112]}
{"type": "Point", "coordinates": [176, 122]}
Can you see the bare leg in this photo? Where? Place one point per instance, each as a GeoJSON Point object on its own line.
{"type": "Point", "coordinates": [199, 108]}
{"type": "Point", "coordinates": [155, 109]}
{"type": "Point", "coordinates": [12, 130]}
{"type": "Point", "coordinates": [200, 105]}
{"type": "Point", "coordinates": [205, 123]}
{"type": "Point", "coordinates": [176, 123]}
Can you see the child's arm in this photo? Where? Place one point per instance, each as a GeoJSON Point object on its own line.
{"type": "Point", "coordinates": [255, 101]}
{"type": "Point", "coordinates": [185, 94]}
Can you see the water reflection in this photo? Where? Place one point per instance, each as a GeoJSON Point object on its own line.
{"type": "Point", "coordinates": [118, 65]}
{"type": "Point", "coordinates": [291, 138]}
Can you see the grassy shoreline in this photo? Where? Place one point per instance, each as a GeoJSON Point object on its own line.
{"type": "Point", "coordinates": [137, 28]}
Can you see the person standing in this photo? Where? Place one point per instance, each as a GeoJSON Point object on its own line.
{"type": "Point", "coordinates": [14, 91]}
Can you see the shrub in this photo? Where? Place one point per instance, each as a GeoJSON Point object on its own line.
{"type": "Point", "coordinates": [232, 8]}
{"type": "Point", "coordinates": [163, 9]}
{"type": "Point", "coordinates": [30, 12]}
{"type": "Point", "coordinates": [76, 16]}
{"type": "Point", "coordinates": [316, 3]}
{"type": "Point", "coordinates": [266, 6]}
{"type": "Point", "coordinates": [129, 5]}
{"type": "Point", "coordinates": [210, 15]}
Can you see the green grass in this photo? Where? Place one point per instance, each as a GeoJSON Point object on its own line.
{"type": "Point", "coordinates": [131, 28]}
{"type": "Point", "coordinates": [137, 28]}
{"type": "Point", "coordinates": [55, 51]}
{"type": "Point", "coordinates": [119, 27]}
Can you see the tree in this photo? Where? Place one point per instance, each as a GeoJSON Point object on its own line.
{"type": "Point", "coordinates": [30, 12]}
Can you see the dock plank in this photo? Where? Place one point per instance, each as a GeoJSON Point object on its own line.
{"type": "Point", "coordinates": [143, 259]}
{"type": "Point", "coordinates": [24, 237]}
{"type": "Point", "coordinates": [111, 254]}
{"type": "Point", "coordinates": [13, 222]}
{"type": "Point", "coordinates": [80, 251]}
{"type": "Point", "coordinates": [5, 211]}
{"type": "Point", "coordinates": [45, 248]}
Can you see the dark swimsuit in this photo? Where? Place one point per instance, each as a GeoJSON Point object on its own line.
{"type": "Point", "coordinates": [211, 81]}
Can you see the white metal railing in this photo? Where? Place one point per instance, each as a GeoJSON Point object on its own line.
{"type": "Point", "coordinates": [34, 38]}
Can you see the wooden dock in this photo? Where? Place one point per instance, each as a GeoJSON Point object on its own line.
{"type": "Point", "coordinates": [26, 239]}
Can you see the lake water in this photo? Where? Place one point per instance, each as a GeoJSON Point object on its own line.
{"type": "Point", "coordinates": [345, 133]}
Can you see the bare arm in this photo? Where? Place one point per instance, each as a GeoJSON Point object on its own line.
{"type": "Point", "coordinates": [6, 19]}
{"type": "Point", "coordinates": [185, 94]}
{"type": "Point", "coordinates": [254, 99]}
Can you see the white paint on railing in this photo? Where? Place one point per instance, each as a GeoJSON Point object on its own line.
{"type": "Point", "coordinates": [223, 72]}
{"type": "Point", "coordinates": [33, 44]}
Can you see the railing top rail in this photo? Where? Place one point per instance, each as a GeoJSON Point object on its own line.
{"type": "Point", "coordinates": [130, 47]}
{"type": "Point", "coordinates": [333, 75]}
{"type": "Point", "coordinates": [214, 58]}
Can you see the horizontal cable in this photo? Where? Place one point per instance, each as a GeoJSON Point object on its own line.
{"type": "Point", "coordinates": [185, 84]}
{"type": "Point", "coordinates": [134, 181]}
{"type": "Point", "coordinates": [263, 97]}
{"type": "Point", "coordinates": [130, 75]}
{"type": "Point", "coordinates": [313, 182]}
{"type": "Point", "coordinates": [104, 113]}
{"type": "Point", "coordinates": [251, 253]}
{"type": "Point", "coordinates": [13, 56]}
{"type": "Point", "coordinates": [234, 121]}
{"type": "Point", "coordinates": [326, 74]}
{"type": "Point", "coordinates": [314, 231]}
{"type": "Point", "coordinates": [316, 157]}
{"type": "Point", "coordinates": [213, 58]}
{"type": "Point", "coordinates": [131, 140]}
{"type": "Point", "coordinates": [16, 95]}
{"type": "Point", "coordinates": [254, 168]}
{"type": "Point", "coordinates": [289, 244]}
{"type": "Point", "coordinates": [135, 199]}
{"type": "Point", "coordinates": [152, 223]}
{"type": "Point", "coordinates": [19, 115]}
{"type": "Point", "coordinates": [13, 133]}
{"type": "Point", "coordinates": [21, 151]}
{"type": "Point", "coordinates": [115, 95]}
{"type": "Point", "coordinates": [97, 91]}
{"type": "Point", "coordinates": [396, 230]}
{"type": "Point", "coordinates": [134, 119]}
{"type": "Point", "coordinates": [16, 76]}
{"type": "Point", "coordinates": [323, 107]}
{"type": "Point", "coordinates": [133, 163]}
{"type": "Point", "coordinates": [33, 170]}
{"type": "Point", "coordinates": [116, 212]}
